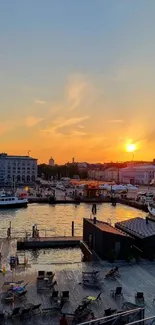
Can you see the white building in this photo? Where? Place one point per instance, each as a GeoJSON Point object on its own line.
{"type": "Point", "coordinates": [18, 169]}
{"type": "Point", "coordinates": [137, 174]}
{"type": "Point", "coordinates": [111, 174]}
{"type": "Point", "coordinates": [51, 162]}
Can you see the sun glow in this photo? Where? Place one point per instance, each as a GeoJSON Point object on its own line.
{"type": "Point", "coordinates": [130, 147]}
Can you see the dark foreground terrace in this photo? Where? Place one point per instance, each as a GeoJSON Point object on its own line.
{"type": "Point", "coordinates": [132, 279]}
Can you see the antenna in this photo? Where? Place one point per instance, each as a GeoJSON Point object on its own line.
{"type": "Point", "coordinates": [28, 152]}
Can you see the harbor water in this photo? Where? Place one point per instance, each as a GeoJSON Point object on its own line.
{"type": "Point", "coordinates": [56, 220]}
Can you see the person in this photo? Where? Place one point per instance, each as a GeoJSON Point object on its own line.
{"type": "Point", "coordinates": [9, 233]}
{"type": "Point", "coordinates": [0, 257]}
{"type": "Point", "coordinates": [63, 320]}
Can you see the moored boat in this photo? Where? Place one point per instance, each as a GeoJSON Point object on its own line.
{"type": "Point", "coordinates": [151, 210]}
{"type": "Point", "coordinates": [10, 202]}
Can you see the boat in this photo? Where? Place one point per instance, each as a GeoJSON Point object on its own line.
{"type": "Point", "coordinates": [8, 201]}
{"type": "Point", "coordinates": [151, 210]}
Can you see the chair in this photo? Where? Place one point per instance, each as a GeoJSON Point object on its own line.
{"type": "Point", "coordinates": [109, 312]}
{"type": "Point", "coordinates": [2, 317]}
{"type": "Point", "coordinates": [25, 313]}
{"type": "Point", "coordinates": [139, 297]}
{"type": "Point", "coordinates": [54, 295]}
{"type": "Point", "coordinates": [49, 274]}
{"type": "Point", "coordinates": [93, 298]}
{"type": "Point", "coordinates": [7, 297]}
{"type": "Point", "coordinates": [15, 312]}
{"type": "Point", "coordinates": [35, 309]}
{"type": "Point", "coordinates": [41, 275]}
{"type": "Point", "coordinates": [65, 295]}
{"type": "Point", "coordinates": [116, 293]}
{"type": "Point", "coordinates": [51, 285]}
{"type": "Point", "coordinates": [20, 295]}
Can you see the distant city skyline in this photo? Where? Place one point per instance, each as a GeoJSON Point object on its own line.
{"type": "Point", "coordinates": [77, 79]}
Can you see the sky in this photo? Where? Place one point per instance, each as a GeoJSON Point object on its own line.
{"type": "Point", "coordinates": [77, 79]}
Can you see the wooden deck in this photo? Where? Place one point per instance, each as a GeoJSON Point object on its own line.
{"type": "Point", "coordinates": [133, 278]}
{"type": "Point", "coordinates": [49, 242]}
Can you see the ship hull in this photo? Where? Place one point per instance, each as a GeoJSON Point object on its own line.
{"type": "Point", "coordinates": [13, 205]}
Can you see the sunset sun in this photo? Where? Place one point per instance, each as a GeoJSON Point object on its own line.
{"type": "Point", "coordinates": [131, 147]}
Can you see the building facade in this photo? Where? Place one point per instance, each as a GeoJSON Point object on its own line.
{"type": "Point", "coordinates": [111, 175]}
{"type": "Point", "coordinates": [96, 174]}
{"type": "Point", "coordinates": [17, 169]}
{"type": "Point", "coordinates": [142, 175]}
{"type": "Point", "coordinates": [106, 241]}
{"type": "Point", "coordinates": [51, 162]}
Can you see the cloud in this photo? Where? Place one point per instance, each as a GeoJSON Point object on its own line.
{"type": "Point", "coordinates": [81, 126]}
{"type": "Point", "coordinates": [32, 121]}
{"type": "Point", "coordinates": [116, 121]}
{"type": "Point", "coordinates": [75, 91]}
{"type": "Point", "coordinates": [61, 123]}
{"type": "Point", "coordinates": [41, 102]}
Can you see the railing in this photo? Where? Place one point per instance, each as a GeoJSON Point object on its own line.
{"type": "Point", "coordinates": [133, 316]}
{"type": "Point", "coordinates": [52, 232]}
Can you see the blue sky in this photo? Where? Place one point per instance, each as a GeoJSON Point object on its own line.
{"type": "Point", "coordinates": [65, 62]}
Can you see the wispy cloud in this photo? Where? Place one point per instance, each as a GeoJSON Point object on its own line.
{"type": "Point", "coordinates": [116, 121]}
{"type": "Point", "coordinates": [75, 91]}
{"type": "Point", "coordinates": [31, 121]}
{"type": "Point", "coordinates": [41, 102]}
{"type": "Point", "coordinates": [61, 123]}
{"type": "Point", "coordinates": [81, 126]}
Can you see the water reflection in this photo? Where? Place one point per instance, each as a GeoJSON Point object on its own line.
{"type": "Point", "coordinates": [52, 256]}
{"type": "Point", "coordinates": [58, 219]}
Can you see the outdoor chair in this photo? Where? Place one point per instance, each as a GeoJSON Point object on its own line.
{"type": "Point", "coordinates": [51, 285]}
{"type": "Point", "coordinates": [65, 295]}
{"type": "Point", "coordinates": [25, 313]}
{"type": "Point", "coordinates": [139, 297]}
{"type": "Point", "coordinates": [2, 317]}
{"type": "Point", "coordinates": [15, 312]}
{"type": "Point", "coordinates": [117, 292]}
{"type": "Point", "coordinates": [92, 298]}
{"type": "Point", "coordinates": [41, 275]}
{"type": "Point", "coordinates": [7, 297]}
{"type": "Point", "coordinates": [36, 309]}
{"type": "Point", "coordinates": [54, 296]}
{"type": "Point", "coordinates": [50, 274]}
{"type": "Point", "coordinates": [109, 312]}
{"type": "Point", "coordinates": [20, 295]}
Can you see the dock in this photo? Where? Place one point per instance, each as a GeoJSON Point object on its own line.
{"type": "Point", "coordinates": [69, 278]}
{"type": "Point", "coordinates": [49, 242]}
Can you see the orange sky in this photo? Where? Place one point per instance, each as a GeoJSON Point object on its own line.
{"type": "Point", "coordinates": [77, 79]}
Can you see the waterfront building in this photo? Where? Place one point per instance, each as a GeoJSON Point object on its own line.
{"type": "Point", "coordinates": [136, 174]}
{"type": "Point", "coordinates": [96, 174]}
{"type": "Point", "coordinates": [51, 162]}
{"type": "Point", "coordinates": [111, 175]}
{"type": "Point", "coordinates": [105, 240]}
{"type": "Point", "coordinates": [17, 169]}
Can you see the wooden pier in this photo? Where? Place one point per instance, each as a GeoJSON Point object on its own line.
{"type": "Point", "coordinates": [49, 242]}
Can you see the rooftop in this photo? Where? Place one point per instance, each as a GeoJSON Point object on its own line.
{"type": "Point", "coordinates": [104, 226]}
{"type": "Point", "coordinates": [142, 167]}
{"type": "Point", "coordinates": [6, 156]}
{"type": "Point", "coordinates": [137, 227]}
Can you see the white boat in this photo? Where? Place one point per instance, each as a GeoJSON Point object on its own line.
{"type": "Point", "coordinates": [151, 210]}
{"type": "Point", "coordinates": [8, 201]}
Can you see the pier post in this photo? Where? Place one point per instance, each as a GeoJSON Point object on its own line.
{"type": "Point", "coordinates": [72, 228]}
